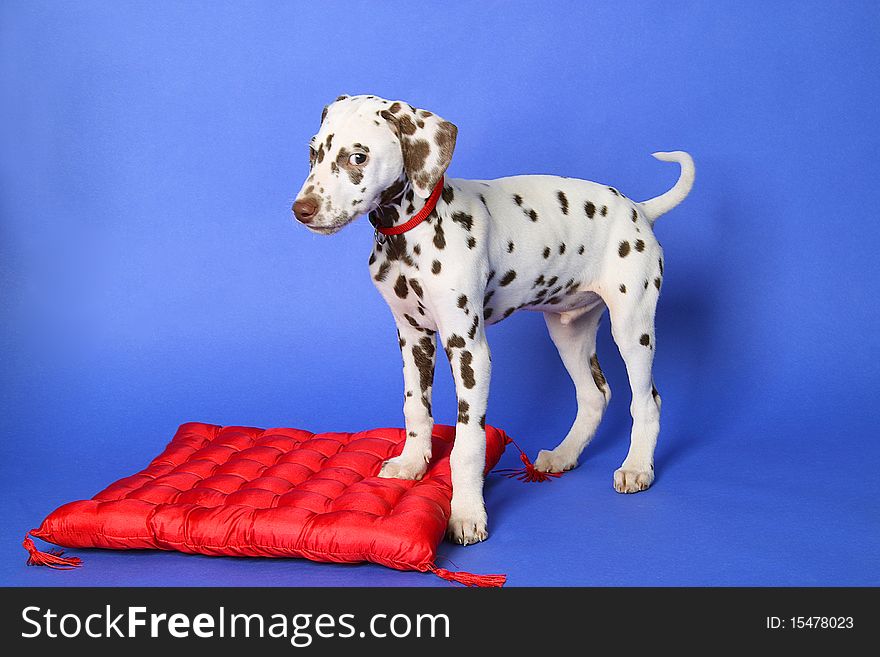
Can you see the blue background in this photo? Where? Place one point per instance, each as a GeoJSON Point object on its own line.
{"type": "Point", "coordinates": [152, 274]}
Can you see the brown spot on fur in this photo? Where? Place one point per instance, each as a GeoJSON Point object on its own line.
{"type": "Point", "coordinates": [393, 192]}
{"type": "Point", "coordinates": [462, 301]}
{"type": "Point", "coordinates": [372, 258]}
{"type": "Point", "coordinates": [435, 267]}
{"type": "Point", "coordinates": [415, 153]}
{"type": "Point", "coordinates": [395, 108]}
{"type": "Point", "coordinates": [448, 194]}
{"type": "Point", "coordinates": [400, 287]}
{"type": "Point", "coordinates": [581, 250]}
{"type": "Point", "coordinates": [590, 209]}
{"type": "Point", "coordinates": [463, 218]}
{"type": "Point", "coordinates": [471, 241]}
{"type": "Point", "coordinates": [552, 281]}
{"type": "Point", "coordinates": [635, 215]}
{"type": "Point", "coordinates": [405, 125]}
{"type": "Point", "coordinates": [488, 296]}
{"type": "Point", "coordinates": [324, 114]}
{"type": "Point", "coordinates": [614, 191]}
{"type": "Point", "coordinates": [517, 199]}
{"type": "Point", "coordinates": [423, 356]}
{"type": "Point", "coordinates": [439, 237]}
{"type": "Point", "coordinates": [623, 288]}
{"type": "Point", "coordinates": [533, 215]}
{"type": "Point", "coordinates": [417, 249]}
{"type": "Point", "coordinates": [508, 313]}
{"type": "Point", "coordinates": [538, 281]}
{"type": "Point", "coordinates": [645, 339]}
{"type": "Point", "coordinates": [490, 277]}
{"type": "Point", "coordinates": [463, 408]}
{"type": "Point", "coordinates": [383, 271]}
{"type": "Point", "coordinates": [598, 374]}
{"type": "Point", "coordinates": [472, 331]}
{"type": "Point", "coordinates": [510, 247]}
{"type": "Point", "coordinates": [546, 252]}
{"type": "Point", "coordinates": [483, 421]}
{"type": "Point", "coordinates": [412, 321]}
{"type": "Point", "coordinates": [563, 202]}
{"type": "Point", "coordinates": [487, 313]}
{"type": "Point", "coordinates": [640, 246]}
{"type": "Point", "coordinates": [467, 372]}
{"type": "Point", "coordinates": [319, 154]}
{"type": "Point", "coordinates": [507, 279]}
{"type": "Point", "coordinates": [604, 210]}
{"type": "Point", "coordinates": [657, 282]}
{"type": "Point", "coordinates": [455, 341]}
{"type": "Point", "coordinates": [445, 140]}
{"type": "Point", "coordinates": [416, 287]}
{"type": "Point", "coordinates": [660, 262]}
{"type": "Point", "coordinates": [623, 249]}
{"type": "Point", "coordinates": [562, 248]}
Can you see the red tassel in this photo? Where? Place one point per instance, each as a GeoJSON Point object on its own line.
{"type": "Point", "coordinates": [470, 579]}
{"type": "Point", "coordinates": [52, 558]}
{"type": "Point", "coordinates": [528, 473]}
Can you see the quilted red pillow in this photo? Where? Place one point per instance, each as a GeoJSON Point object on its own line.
{"type": "Point", "coordinates": [242, 491]}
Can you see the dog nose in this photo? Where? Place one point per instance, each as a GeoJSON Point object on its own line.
{"type": "Point", "coordinates": [305, 209]}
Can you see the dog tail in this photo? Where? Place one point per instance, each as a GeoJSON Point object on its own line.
{"type": "Point", "coordinates": [662, 204]}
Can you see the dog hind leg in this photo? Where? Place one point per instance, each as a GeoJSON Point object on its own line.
{"type": "Point", "coordinates": [632, 325]}
{"type": "Point", "coordinates": [576, 342]}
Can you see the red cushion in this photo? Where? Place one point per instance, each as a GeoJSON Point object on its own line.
{"type": "Point", "coordinates": [242, 491]}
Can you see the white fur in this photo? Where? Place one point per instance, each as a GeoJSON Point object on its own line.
{"type": "Point", "coordinates": [572, 249]}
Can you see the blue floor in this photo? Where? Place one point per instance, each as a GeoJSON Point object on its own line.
{"type": "Point", "coordinates": [741, 498]}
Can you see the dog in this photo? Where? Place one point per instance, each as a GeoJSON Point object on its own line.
{"type": "Point", "coordinates": [452, 256]}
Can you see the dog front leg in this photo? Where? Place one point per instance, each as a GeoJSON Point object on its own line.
{"type": "Point", "coordinates": [419, 353]}
{"type": "Point", "coordinates": [469, 357]}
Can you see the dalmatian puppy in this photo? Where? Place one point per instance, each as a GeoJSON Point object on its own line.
{"type": "Point", "coordinates": [469, 253]}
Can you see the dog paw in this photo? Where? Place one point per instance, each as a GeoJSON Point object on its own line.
{"type": "Point", "coordinates": [628, 480]}
{"type": "Point", "coordinates": [404, 468]}
{"type": "Point", "coordinates": [467, 528]}
{"type": "Point", "coordinates": [554, 461]}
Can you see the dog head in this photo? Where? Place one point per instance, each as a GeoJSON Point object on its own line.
{"type": "Point", "coordinates": [365, 150]}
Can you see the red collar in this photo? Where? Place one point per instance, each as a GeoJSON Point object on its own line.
{"type": "Point", "coordinates": [418, 217]}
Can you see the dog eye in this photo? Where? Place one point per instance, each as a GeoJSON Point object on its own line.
{"type": "Point", "coordinates": [357, 159]}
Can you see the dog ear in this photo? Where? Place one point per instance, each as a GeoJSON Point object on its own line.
{"type": "Point", "coordinates": [427, 142]}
